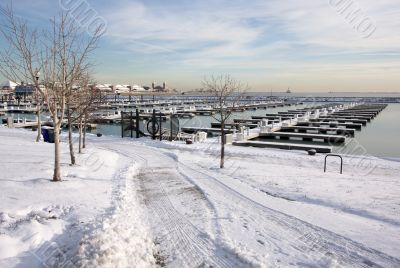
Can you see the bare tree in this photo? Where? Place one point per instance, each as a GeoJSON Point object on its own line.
{"type": "Point", "coordinates": [20, 61]}
{"type": "Point", "coordinates": [92, 100]}
{"type": "Point", "coordinates": [85, 99]}
{"type": "Point", "coordinates": [61, 52]}
{"type": "Point", "coordinates": [227, 93]}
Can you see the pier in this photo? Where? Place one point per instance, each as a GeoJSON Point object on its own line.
{"type": "Point", "coordinates": [207, 130]}
{"type": "Point", "coordinates": [234, 125]}
{"type": "Point", "coordinates": [320, 130]}
{"type": "Point", "coordinates": [333, 139]}
{"type": "Point", "coordinates": [284, 146]}
{"type": "Point", "coordinates": [340, 120]}
{"type": "Point", "coordinates": [329, 123]}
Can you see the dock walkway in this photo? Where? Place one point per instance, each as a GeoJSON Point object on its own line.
{"type": "Point", "coordinates": [284, 146]}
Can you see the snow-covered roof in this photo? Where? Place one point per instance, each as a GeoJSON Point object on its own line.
{"type": "Point", "coordinates": [9, 84]}
{"type": "Point", "coordinates": [137, 87]}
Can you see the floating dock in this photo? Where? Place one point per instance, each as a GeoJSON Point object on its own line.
{"type": "Point", "coordinates": [284, 146]}
{"type": "Point", "coordinates": [339, 120]}
{"type": "Point", "coordinates": [207, 130]}
{"type": "Point", "coordinates": [334, 139]}
{"type": "Point", "coordinates": [331, 124]}
{"type": "Point", "coordinates": [346, 117]}
{"type": "Point", "coordinates": [320, 130]}
{"type": "Point", "coordinates": [327, 123]}
{"type": "Point", "coordinates": [233, 125]}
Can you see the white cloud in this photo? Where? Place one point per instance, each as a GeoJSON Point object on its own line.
{"type": "Point", "coordinates": [294, 37]}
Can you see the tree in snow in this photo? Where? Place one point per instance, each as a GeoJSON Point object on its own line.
{"type": "Point", "coordinates": [20, 60]}
{"type": "Point", "coordinates": [61, 52]}
{"type": "Point", "coordinates": [227, 93]}
{"type": "Point", "coordinates": [81, 101]}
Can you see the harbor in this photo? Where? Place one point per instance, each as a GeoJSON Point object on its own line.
{"type": "Point", "coordinates": [323, 127]}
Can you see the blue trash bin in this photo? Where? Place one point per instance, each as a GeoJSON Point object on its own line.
{"type": "Point", "coordinates": [50, 132]}
{"type": "Point", "coordinates": [45, 134]}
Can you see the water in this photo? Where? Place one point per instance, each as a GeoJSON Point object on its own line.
{"type": "Point", "coordinates": [333, 94]}
{"type": "Point", "coordinates": [381, 137]}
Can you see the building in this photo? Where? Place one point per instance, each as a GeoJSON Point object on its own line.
{"type": "Point", "coordinates": [24, 90]}
{"type": "Point", "coordinates": [104, 87]}
{"type": "Point", "coordinates": [7, 90]}
{"type": "Point", "coordinates": [121, 88]}
{"type": "Point", "coordinates": [137, 88]}
{"type": "Point", "coordinates": [162, 88]}
{"type": "Point", "coordinates": [8, 85]}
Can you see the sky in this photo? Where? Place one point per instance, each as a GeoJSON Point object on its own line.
{"type": "Point", "coordinates": [308, 45]}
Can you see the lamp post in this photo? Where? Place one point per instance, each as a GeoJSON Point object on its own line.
{"type": "Point", "coordinates": [39, 125]}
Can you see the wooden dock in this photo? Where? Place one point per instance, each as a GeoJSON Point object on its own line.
{"type": "Point", "coordinates": [346, 117]}
{"type": "Point", "coordinates": [207, 130]}
{"type": "Point", "coordinates": [341, 120]}
{"type": "Point", "coordinates": [334, 139]}
{"type": "Point", "coordinates": [272, 117]}
{"type": "Point", "coordinates": [253, 120]}
{"type": "Point", "coordinates": [31, 124]}
{"type": "Point", "coordinates": [331, 124]}
{"type": "Point", "coordinates": [284, 146]}
{"type": "Point", "coordinates": [233, 125]}
{"type": "Point", "coordinates": [320, 130]}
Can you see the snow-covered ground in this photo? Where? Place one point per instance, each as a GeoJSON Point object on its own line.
{"type": "Point", "coordinates": [92, 218]}
{"type": "Point", "coordinates": [142, 203]}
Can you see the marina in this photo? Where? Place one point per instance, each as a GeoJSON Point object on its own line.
{"type": "Point", "coordinates": [316, 125]}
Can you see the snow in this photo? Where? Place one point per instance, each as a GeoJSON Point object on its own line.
{"type": "Point", "coordinates": [143, 203]}
{"type": "Point", "coordinates": [43, 223]}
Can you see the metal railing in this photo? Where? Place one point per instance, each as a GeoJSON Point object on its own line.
{"type": "Point", "coordinates": [341, 161]}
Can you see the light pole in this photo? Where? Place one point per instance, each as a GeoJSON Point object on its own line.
{"type": "Point", "coordinates": [39, 125]}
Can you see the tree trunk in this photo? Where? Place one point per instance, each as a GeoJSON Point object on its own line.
{"type": "Point", "coordinates": [39, 126]}
{"type": "Point", "coordinates": [222, 145]}
{"type": "Point", "coordinates": [80, 134]}
{"type": "Point", "coordinates": [70, 141]}
{"type": "Point", "coordinates": [84, 132]}
{"type": "Point", "coordinates": [57, 151]}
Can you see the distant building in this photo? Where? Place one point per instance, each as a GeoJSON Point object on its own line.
{"type": "Point", "coordinates": [137, 88]}
{"type": "Point", "coordinates": [104, 87]}
{"type": "Point", "coordinates": [121, 88]}
{"type": "Point", "coordinates": [7, 90]}
{"type": "Point", "coordinates": [25, 90]}
{"type": "Point", "coordinates": [8, 85]}
{"type": "Point", "coordinates": [162, 88]}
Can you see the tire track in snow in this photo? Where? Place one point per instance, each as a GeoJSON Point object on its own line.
{"type": "Point", "coordinates": [313, 241]}
{"type": "Point", "coordinates": [191, 247]}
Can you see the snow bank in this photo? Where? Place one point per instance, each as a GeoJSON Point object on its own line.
{"type": "Point", "coordinates": [123, 239]}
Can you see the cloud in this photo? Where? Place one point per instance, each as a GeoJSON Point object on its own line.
{"type": "Point", "coordinates": [249, 38]}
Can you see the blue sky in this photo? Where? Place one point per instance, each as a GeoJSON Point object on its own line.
{"type": "Point", "coordinates": [306, 45]}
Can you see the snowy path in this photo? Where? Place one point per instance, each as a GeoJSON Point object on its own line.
{"type": "Point", "coordinates": [201, 218]}
{"type": "Point", "coordinates": [186, 240]}
{"type": "Point", "coordinates": [284, 233]}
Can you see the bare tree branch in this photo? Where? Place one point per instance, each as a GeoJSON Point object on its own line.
{"type": "Point", "coordinates": [227, 93]}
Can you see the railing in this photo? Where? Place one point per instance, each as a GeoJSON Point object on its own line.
{"type": "Point", "coordinates": [341, 161]}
